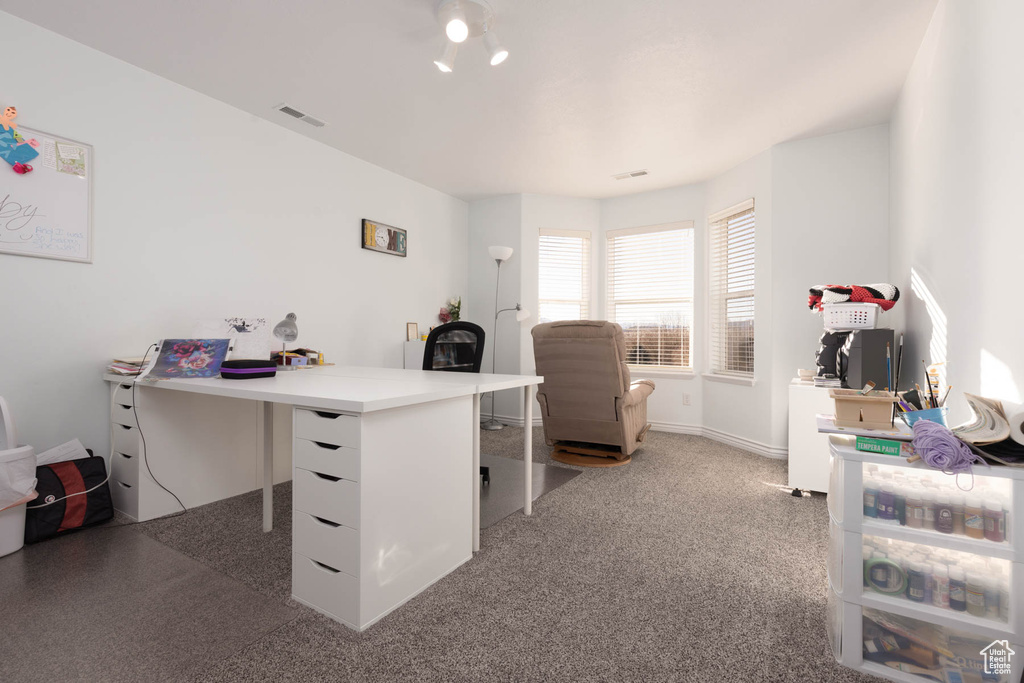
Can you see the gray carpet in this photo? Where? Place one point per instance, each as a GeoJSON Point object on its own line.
{"type": "Point", "coordinates": [692, 563]}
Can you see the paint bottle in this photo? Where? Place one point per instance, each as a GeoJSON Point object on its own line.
{"type": "Point", "coordinates": [886, 501]}
{"type": "Point", "coordinates": [975, 595]}
{"type": "Point", "coordinates": [928, 503]}
{"type": "Point", "coordinates": [940, 585]}
{"type": "Point", "coordinates": [900, 501]}
{"type": "Point", "coordinates": [974, 520]}
{"type": "Point", "coordinates": [870, 498]}
{"type": "Point", "coordinates": [957, 590]}
{"type": "Point", "coordinates": [1004, 598]}
{"type": "Point", "coordinates": [915, 511]}
{"type": "Point", "coordinates": [995, 520]}
{"type": "Point", "coordinates": [916, 583]}
{"type": "Point", "coordinates": [943, 514]}
{"type": "Point", "coordinates": [929, 579]}
{"type": "Point", "coordinates": [991, 597]}
{"type": "Point", "coordinates": [958, 513]}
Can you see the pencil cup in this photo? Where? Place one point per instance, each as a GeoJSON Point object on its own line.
{"type": "Point", "coordinates": [933, 414]}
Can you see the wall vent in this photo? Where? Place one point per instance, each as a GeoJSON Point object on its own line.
{"type": "Point", "coordinates": [301, 116]}
{"type": "Point", "coordinates": [630, 174]}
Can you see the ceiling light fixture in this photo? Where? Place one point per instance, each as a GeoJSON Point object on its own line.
{"type": "Point", "coordinates": [446, 62]}
{"type": "Point", "coordinates": [463, 19]}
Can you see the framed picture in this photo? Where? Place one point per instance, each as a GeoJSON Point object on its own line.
{"type": "Point", "coordinates": [386, 239]}
{"type": "Point", "coordinates": [412, 331]}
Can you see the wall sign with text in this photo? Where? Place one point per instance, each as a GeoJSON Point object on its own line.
{"type": "Point", "coordinates": [383, 238]}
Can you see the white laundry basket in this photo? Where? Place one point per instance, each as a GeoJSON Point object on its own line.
{"type": "Point", "coordinates": [16, 463]}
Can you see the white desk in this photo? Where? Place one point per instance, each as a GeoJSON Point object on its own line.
{"type": "Point", "coordinates": [385, 469]}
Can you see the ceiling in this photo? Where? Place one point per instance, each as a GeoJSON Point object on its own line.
{"type": "Point", "coordinates": [592, 88]}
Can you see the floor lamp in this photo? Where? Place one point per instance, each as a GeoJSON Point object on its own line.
{"type": "Point", "coordinates": [500, 255]}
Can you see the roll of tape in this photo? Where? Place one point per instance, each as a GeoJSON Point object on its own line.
{"type": "Point", "coordinates": [879, 574]}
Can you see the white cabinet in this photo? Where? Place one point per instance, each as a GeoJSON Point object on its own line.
{"type": "Point", "coordinates": [414, 354]}
{"type": "Point", "coordinates": [808, 450]}
{"type": "Point", "coordinates": [902, 612]}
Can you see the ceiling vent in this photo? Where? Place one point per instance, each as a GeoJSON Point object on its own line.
{"type": "Point", "coordinates": [301, 116]}
{"type": "Point", "coordinates": [630, 174]}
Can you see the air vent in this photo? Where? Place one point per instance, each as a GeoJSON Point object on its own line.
{"type": "Point", "coordinates": [301, 116]}
{"type": "Point", "coordinates": [630, 174]}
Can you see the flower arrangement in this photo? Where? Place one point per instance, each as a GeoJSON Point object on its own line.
{"type": "Point", "coordinates": [450, 311]}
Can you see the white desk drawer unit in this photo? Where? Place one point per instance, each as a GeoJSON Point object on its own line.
{"type": "Point", "coordinates": [123, 395]}
{"type": "Point", "coordinates": [327, 497]}
{"type": "Point", "coordinates": [337, 461]}
{"type": "Point", "coordinates": [123, 415]}
{"type": "Point", "coordinates": [125, 468]}
{"type": "Point", "coordinates": [325, 427]}
{"type": "Point", "coordinates": [126, 450]}
{"type": "Point", "coordinates": [333, 544]}
{"type": "Point", "coordinates": [325, 588]}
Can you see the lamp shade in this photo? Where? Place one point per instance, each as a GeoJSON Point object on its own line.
{"type": "Point", "coordinates": [445, 63]}
{"type": "Point", "coordinates": [500, 253]}
{"type": "Point", "coordinates": [495, 49]}
{"type": "Point", "coordinates": [522, 314]}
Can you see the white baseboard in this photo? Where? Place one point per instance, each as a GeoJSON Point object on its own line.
{"type": "Point", "coordinates": [762, 449]}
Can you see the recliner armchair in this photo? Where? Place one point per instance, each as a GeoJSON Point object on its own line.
{"type": "Point", "coordinates": [587, 394]}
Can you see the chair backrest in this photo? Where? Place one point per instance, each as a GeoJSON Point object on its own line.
{"type": "Point", "coordinates": [454, 347]}
{"type": "Point", "coordinates": [583, 363]}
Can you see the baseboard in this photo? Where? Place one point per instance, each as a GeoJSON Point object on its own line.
{"type": "Point", "coordinates": [762, 449]}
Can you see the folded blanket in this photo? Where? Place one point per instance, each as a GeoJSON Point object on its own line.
{"type": "Point", "coordinates": [884, 295]}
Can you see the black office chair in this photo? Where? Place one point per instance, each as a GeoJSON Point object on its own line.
{"type": "Point", "coordinates": [456, 347]}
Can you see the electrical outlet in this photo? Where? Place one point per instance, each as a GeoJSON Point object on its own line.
{"type": "Point", "coordinates": [686, 399]}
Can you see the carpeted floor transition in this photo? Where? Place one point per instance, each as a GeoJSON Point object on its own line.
{"type": "Point", "coordinates": [692, 563]}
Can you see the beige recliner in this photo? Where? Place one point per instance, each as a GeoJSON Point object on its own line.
{"type": "Point", "coordinates": [587, 395]}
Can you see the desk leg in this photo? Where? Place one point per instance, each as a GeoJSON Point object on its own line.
{"type": "Point", "coordinates": [528, 447]}
{"type": "Point", "coordinates": [265, 456]}
{"type": "Point", "coordinates": [476, 472]}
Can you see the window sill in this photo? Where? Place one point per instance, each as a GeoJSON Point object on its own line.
{"type": "Point", "coordinates": [729, 379]}
{"type": "Point", "coordinates": [642, 372]}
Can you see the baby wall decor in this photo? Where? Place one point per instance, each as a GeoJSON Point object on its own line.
{"type": "Point", "coordinates": [383, 238]}
{"type": "Point", "coordinates": [46, 202]}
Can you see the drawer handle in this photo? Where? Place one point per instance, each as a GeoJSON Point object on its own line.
{"type": "Point", "coordinates": [329, 416]}
{"type": "Point", "coordinates": [325, 522]}
{"type": "Point", "coordinates": [126, 456]}
{"type": "Point", "coordinates": [328, 446]}
{"type": "Point", "coordinates": [326, 476]}
{"type": "Point", "coordinates": [329, 570]}
{"type": "Point", "coordinates": [127, 486]}
{"type": "Point", "coordinates": [124, 427]}
{"type": "Point", "coordinates": [121, 405]}
{"type": "Point", "coordinates": [126, 387]}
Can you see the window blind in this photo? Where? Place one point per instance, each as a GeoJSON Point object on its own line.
{"type": "Point", "coordinates": [731, 287]}
{"type": "Point", "coordinates": [650, 292]}
{"type": "Point", "coordinates": [564, 275]}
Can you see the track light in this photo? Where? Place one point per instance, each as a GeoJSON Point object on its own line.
{"type": "Point", "coordinates": [497, 53]}
{"type": "Point", "coordinates": [463, 19]}
{"type": "Point", "coordinates": [446, 62]}
{"type": "Point", "coordinates": [457, 29]}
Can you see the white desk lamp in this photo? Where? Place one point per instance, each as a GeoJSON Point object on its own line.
{"type": "Point", "coordinates": [287, 331]}
{"type": "Point", "coordinates": [500, 255]}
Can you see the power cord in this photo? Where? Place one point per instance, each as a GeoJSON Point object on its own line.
{"type": "Point", "coordinates": [145, 449]}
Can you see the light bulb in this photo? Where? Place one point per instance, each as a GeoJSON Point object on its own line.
{"type": "Point", "coordinates": [457, 29]}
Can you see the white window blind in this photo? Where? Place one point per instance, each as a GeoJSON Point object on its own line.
{"type": "Point", "coordinates": [731, 286]}
{"type": "Point", "coordinates": [564, 275]}
{"type": "Point", "coordinates": [650, 292]}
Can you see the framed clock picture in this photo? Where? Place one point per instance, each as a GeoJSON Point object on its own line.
{"type": "Point", "coordinates": [383, 238]}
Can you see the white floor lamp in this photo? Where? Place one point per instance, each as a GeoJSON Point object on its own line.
{"type": "Point", "coordinates": [500, 255]}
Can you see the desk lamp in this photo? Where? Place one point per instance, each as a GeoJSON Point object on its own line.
{"type": "Point", "coordinates": [500, 255]}
{"type": "Point", "coordinates": [287, 331]}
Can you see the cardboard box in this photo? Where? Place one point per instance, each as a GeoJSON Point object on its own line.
{"type": "Point", "coordinates": [873, 410]}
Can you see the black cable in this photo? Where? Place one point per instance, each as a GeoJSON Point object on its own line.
{"type": "Point", "coordinates": [145, 450]}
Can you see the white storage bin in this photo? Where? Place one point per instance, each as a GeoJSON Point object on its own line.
{"type": "Point", "coordinates": [19, 479]}
{"type": "Point", "coordinates": [12, 529]}
{"type": "Point", "coordinates": [850, 316]}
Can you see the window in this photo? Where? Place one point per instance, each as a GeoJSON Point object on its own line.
{"type": "Point", "coordinates": [650, 292]}
{"type": "Point", "coordinates": [564, 274]}
{"type": "Point", "coordinates": [731, 285]}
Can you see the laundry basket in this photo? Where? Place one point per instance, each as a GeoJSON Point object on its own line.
{"type": "Point", "coordinates": [17, 474]}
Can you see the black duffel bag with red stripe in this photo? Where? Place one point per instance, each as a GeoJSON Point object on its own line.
{"type": "Point", "coordinates": [72, 495]}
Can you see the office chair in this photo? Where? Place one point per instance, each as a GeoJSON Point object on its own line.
{"type": "Point", "coordinates": [456, 347]}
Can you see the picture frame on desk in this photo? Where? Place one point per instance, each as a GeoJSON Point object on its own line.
{"type": "Point", "coordinates": [412, 331]}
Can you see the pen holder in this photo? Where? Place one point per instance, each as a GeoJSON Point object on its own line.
{"type": "Point", "coordinates": [933, 414]}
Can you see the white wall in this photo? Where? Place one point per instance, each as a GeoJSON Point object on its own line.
{"type": "Point", "coordinates": [200, 211]}
{"type": "Point", "coordinates": [496, 222]}
{"type": "Point", "coordinates": [957, 159]}
{"type": "Point", "coordinates": [830, 225]}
